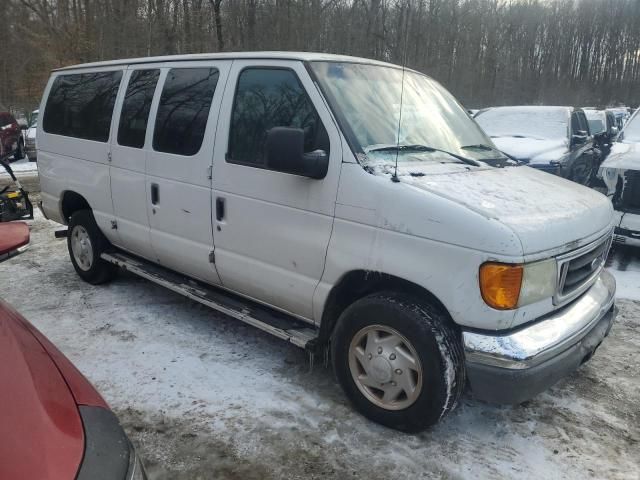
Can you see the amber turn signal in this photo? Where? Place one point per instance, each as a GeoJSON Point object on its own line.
{"type": "Point", "coordinates": [500, 284]}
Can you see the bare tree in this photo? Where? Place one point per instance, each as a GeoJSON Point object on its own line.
{"type": "Point", "coordinates": [485, 51]}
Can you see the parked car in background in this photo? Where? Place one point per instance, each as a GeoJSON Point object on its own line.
{"type": "Point", "coordinates": [288, 190]}
{"type": "Point", "coordinates": [30, 137]}
{"type": "Point", "coordinates": [621, 174]}
{"type": "Point", "coordinates": [552, 139]}
{"type": "Point", "coordinates": [11, 141]}
{"type": "Point", "coordinates": [602, 126]}
{"type": "Point", "coordinates": [33, 117]}
{"type": "Point", "coordinates": [621, 115]}
{"type": "Point", "coordinates": [55, 425]}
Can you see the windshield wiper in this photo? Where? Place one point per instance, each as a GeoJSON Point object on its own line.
{"type": "Point", "coordinates": [497, 162]}
{"type": "Point", "coordinates": [424, 148]}
{"type": "Point", "coordinates": [481, 146]}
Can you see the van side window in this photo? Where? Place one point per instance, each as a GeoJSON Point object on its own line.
{"type": "Point", "coordinates": [184, 109]}
{"type": "Point", "coordinates": [81, 105]}
{"type": "Point", "coordinates": [267, 98]}
{"type": "Point", "coordinates": [136, 106]}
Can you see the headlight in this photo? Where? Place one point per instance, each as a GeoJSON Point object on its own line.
{"type": "Point", "coordinates": [507, 286]}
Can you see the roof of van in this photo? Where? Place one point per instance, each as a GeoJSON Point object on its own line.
{"type": "Point", "coordinates": [301, 56]}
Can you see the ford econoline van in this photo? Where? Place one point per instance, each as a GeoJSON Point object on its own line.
{"type": "Point", "coordinates": [348, 206]}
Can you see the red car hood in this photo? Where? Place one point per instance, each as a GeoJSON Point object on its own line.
{"type": "Point", "coordinates": [12, 236]}
{"type": "Point", "coordinates": [41, 434]}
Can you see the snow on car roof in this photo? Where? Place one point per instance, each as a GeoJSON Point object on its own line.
{"type": "Point", "coordinates": [593, 114]}
{"type": "Point", "coordinates": [301, 56]}
{"type": "Point", "coordinates": [526, 121]}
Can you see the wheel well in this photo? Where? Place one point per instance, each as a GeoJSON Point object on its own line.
{"type": "Point", "coordinates": [71, 203]}
{"type": "Point", "coordinates": [360, 283]}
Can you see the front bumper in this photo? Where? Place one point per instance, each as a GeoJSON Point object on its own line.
{"type": "Point", "coordinates": [627, 231]}
{"type": "Point", "coordinates": [625, 236]}
{"type": "Point", "coordinates": [108, 452]}
{"type": "Point", "coordinates": [514, 367]}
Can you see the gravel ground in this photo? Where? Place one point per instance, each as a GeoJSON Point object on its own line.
{"type": "Point", "coordinates": [203, 396]}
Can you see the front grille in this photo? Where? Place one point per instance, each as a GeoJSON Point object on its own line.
{"type": "Point", "coordinates": [627, 198]}
{"type": "Point", "coordinates": [619, 239]}
{"type": "Point", "coordinates": [578, 270]}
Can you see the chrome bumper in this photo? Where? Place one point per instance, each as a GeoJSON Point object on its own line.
{"type": "Point", "coordinates": [547, 338]}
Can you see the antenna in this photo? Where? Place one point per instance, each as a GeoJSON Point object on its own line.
{"type": "Point", "coordinates": [394, 178]}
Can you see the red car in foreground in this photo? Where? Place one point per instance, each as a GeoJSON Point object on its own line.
{"type": "Point", "coordinates": [53, 424]}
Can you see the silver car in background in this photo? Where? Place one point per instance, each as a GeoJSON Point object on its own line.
{"type": "Point", "coordinates": [30, 137]}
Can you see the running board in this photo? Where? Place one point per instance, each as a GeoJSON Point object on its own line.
{"type": "Point", "coordinates": [271, 321]}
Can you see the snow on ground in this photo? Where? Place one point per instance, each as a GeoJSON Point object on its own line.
{"type": "Point", "coordinates": [204, 396]}
{"type": "Point", "coordinates": [23, 166]}
{"type": "Point", "coordinates": [625, 265]}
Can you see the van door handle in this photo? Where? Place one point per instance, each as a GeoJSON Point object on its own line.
{"type": "Point", "coordinates": [219, 209]}
{"type": "Point", "coordinates": [155, 193]}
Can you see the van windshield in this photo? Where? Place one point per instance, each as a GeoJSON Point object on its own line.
{"type": "Point", "coordinates": [433, 123]}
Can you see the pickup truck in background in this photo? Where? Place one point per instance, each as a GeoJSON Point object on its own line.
{"type": "Point", "coordinates": [621, 173]}
{"type": "Point", "coordinates": [552, 139]}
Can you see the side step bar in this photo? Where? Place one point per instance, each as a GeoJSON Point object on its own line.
{"type": "Point", "coordinates": [271, 321]}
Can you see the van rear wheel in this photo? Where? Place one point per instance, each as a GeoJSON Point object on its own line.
{"type": "Point", "coordinates": [399, 361]}
{"type": "Point", "coordinates": [86, 243]}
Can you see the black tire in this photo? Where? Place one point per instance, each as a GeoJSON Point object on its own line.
{"type": "Point", "coordinates": [433, 338]}
{"type": "Point", "coordinates": [99, 271]}
{"type": "Point", "coordinates": [19, 154]}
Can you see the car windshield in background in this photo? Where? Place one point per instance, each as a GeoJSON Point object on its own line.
{"type": "Point", "coordinates": [631, 132]}
{"type": "Point", "coordinates": [540, 123]}
{"type": "Point", "coordinates": [596, 120]}
{"type": "Point", "coordinates": [596, 126]}
{"type": "Point", "coordinates": [368, 98]}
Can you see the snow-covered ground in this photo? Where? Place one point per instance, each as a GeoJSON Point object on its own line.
{"type": "Point", "coordinates": [626, 268]}
{"type": "Point", "coordinates": [203, 396]}
{"type": "Point", "coordinates": [23, 166]}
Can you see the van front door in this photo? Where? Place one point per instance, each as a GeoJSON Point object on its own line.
{"type": "Point", "coordinates": [178, 166]}
{"type": "Point", "coordinates": [272, 229]}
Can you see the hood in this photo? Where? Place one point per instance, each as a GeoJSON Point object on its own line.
{"type": "Point", "coordinates": [620, 172]}
{"type": "Point", "coordinates": [532, 150]}
{"type": "Point", "coordinates": [623, 156]}
{"type": "Point", "coordinates": [544, 211]}
{"type": "Point", "coordinates": [39, 413]}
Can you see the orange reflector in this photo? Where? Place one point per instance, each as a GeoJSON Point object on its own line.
{"type": "Point", "coordinates": [500, 284]}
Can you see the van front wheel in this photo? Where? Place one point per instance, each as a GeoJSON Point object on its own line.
{"type": "Point", "coordinates": [399, 361]}
{"type": "Point", "coordinates": [86, 243]}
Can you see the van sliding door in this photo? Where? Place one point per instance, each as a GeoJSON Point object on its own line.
{"type": "Point", "coordinates": [128, 158]}
{"type": "Point", "coordinates": [178, 166]}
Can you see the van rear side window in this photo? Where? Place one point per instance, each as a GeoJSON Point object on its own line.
{"type": "Point", "coordinates": [136, 106]}
{"type": "Point", "coordinates": [183, 111]}
{"type": "Point", "coordinates": [81, 105]}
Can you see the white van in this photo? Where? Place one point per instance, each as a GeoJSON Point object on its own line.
{"type": "Point", "coordinates": [346, 205]}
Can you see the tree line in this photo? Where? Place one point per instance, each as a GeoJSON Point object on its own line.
{"type": "Point", "coordinates": [487, 52]}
